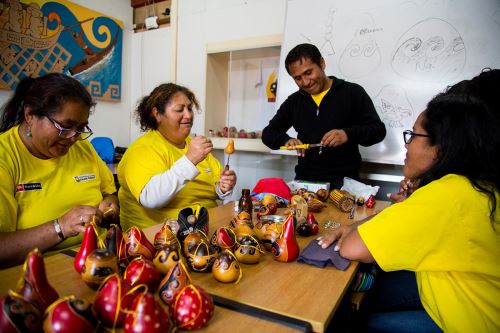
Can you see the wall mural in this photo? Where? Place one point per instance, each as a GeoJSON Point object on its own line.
{"type": "Point", "coordinates": [41, 36]}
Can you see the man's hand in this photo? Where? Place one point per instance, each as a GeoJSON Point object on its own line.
{"type": "Point", "coordinates": [334, 138]}
{"type": "Point", "coordinates": [295, 142]}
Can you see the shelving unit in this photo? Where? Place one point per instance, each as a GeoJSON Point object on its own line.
{"type": "Point", "coordinates": [231, 96]}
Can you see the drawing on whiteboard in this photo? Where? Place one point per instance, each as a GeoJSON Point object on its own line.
{"type": "Point", "coordinates": [432, 50]}
{"type": "Point", "coordinates": [393, 107]}
{"type": "Point", "coordinates": [362, 55]}
{"type": "Point", "coordinates": [327, 47]}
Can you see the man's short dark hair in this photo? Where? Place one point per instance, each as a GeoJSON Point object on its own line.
{"type": "Point", "coordinates": [303, 51]}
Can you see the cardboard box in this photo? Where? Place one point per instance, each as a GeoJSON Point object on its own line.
{"type": "Point", "coordinates": [310, 186]}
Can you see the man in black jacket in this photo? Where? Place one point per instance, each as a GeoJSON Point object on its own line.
{"type": "Point", "coordinates": [338, 114]}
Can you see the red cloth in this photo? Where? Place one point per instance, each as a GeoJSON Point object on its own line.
{"type": "Point", "coordinates": [273, 185]}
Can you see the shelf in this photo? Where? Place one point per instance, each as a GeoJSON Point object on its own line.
{"type": "Point", "coordinates": [254, 145]}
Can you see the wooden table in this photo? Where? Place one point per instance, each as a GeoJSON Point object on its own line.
{"type": "Point", "coordinates": [291, 291]}
{"type": "Point", "coordinates": [272, 296]}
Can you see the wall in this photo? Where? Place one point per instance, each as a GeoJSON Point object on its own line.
{"type": "Point", "coordinates": [201, 22]}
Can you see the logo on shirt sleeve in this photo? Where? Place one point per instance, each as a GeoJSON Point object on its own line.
{"type": "Point", "coordinates": [84, 178]}
{"type": "Point", "coordinates": [28, 187]}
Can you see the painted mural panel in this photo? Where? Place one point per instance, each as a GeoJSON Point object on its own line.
{"type": "Point", "coordinates": [40, 36]}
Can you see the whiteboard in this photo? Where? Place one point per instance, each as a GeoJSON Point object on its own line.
{"type": "Point", "coordinates": [402, 52]}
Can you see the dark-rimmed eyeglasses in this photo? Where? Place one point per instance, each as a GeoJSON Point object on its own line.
{"type": "Point", "coordinates": [68, 133]}
{"type": "Point", "coordinates": [409, 135]}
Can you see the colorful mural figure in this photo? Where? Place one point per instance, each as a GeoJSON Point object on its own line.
{"type": "Point", "coordinates": [41, 36]}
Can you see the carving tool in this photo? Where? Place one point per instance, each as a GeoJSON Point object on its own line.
{"type": "Point", "coordinates": [302, 146]}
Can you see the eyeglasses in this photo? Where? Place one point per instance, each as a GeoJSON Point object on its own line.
{"type": "Point", "coordinates": [409, 135]}
{"type": "Point", "coordinates": [68, 133]}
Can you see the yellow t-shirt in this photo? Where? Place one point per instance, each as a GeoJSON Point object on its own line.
{"type": "Point", "coordinates": [34, 191]}
{"type": "Point", "coordinates": [443, 233]}
{"type": "Point", "coordinates": [151, 155]}
{"type": "Point", "coordinates": [319, 97]}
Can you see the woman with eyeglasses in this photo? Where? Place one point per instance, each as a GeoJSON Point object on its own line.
{"type": "Point", "coordinates": [447, 231]}
{"type": "Point", "coordinates": [52, 182]}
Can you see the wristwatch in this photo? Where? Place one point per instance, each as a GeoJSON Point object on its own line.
{"type": "Point", "coordinates": [58, 229]}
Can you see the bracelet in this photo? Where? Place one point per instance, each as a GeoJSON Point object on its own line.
{"type": "Point", "coordinates": [58, 229]}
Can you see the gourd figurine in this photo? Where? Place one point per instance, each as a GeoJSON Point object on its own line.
{"type": "Point", "coordinates": [226, 268]}
{"type": "Point", "coordinates": [286, 248]}
{"type": "Point", "coordinates": [229, 149]}
{"type": "Point", "coordinates": [98, 266]}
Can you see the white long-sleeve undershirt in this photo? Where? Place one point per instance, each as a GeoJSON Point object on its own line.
{"type": "Point", "coordinates": [163, 187]}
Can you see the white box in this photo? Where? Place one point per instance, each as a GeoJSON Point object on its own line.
{"type": "Point", "coordinates": [310, 186]}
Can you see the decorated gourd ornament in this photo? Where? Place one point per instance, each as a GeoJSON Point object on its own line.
{"type": "Point", "coordinates": [191, 220]}
{"type": "Point", "coordinates": [342, 200]}
{"type": "Point", "coordinates": [226, 268]}
{"type": "Point", "coordinates": [193, 308]}
{"type": "Point", "coordinates": [165, 236]}
{"type": "Point", "coordinates": [112, 300]}
{"type": "Point", "coordinates": [223, 238]}
{"type": "Point", "coordinates": [304, 229]}
{"type": "Point", "coordinates": [136, 244]}
{"type": "Point", "coordinates": [146, 315]}
{"type": "Point", "coordinates": [113, 240]}
{"type": "Point", "coordinates": [89, 244]}
{"type": "Point", "coordinates": [229, 147]}
{"type": "Point", "coordinates": [33, 285]}
{"type": "Point", "coordinates": [69, 315]}
{"type": "Point", "coordinates": [176, 279]}
{"type": "Point", "coordinates": [100, 264]}
{"type": "Point", "coordinates": [248, 250]}
{"type": "Point", "coordinates": [271, 234]}
{"type": "Point", "coordinates": [201, 257]}
{"type": "Point", "coordinates": [322, 194]}
{"type": "Point", "coordinates": [166, 257]}
{"type": "Point", "coordinates": [370, 202]}
{"type": "Point", "coordinates": [286, 248]}
{"type": "Point", "coordinates": [241, 230]}
{"type": "Point", "coordinates": [18, 315]}
{"type": "Point", "coordinates": [191, 241]}
{"type": "Point", "coordinates": [311, 220]}
{"type": "Point", "coordinates": [142, 271]}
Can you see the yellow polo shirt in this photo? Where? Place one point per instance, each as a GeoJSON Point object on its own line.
{"type": "Point", "coordinates": [151, 155]}
{"type": "Point", "coordinates": [444, 234]}
{"type": "Point", "coordinates": [34, 191]}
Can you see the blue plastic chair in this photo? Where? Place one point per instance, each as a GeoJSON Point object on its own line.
{"type": "Point", "coordinates": [104, 148]}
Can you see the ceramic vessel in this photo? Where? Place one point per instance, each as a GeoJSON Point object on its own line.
{"type": "Point", "coordinates": [142, 271]}
{"type": "Point", "coordinates": [146, 315]}
{"type": "Point", "coordinates": [69, 315]}
{"type": "Point", "coordinates": [98, 266]}
{"type": "Point", "coordinates": [33, 285]}
{"type": "Point", "coordinates": [112, 300]}
{"type": "Point", "coordinates": [226, 267]}
{"type": "Point", "coordinates": [18, 315]}
{"type": "Point", "coordinates": [193, 308]}
{"type": "Point", "coordinates": [286, 248]}
{"type": "Point", "coordinates": [89, 244]}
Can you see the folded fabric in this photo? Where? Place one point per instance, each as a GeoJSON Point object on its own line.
{"type": "Point", "coordinates": [275, 186]}
{"type": "Point", "coordinates": [314, 254]}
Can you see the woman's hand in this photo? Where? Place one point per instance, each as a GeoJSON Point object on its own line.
{"type": "Point", "coordinates": [198, 149]}
{"type": "Point", "coordinates": [227, 180]}
{"type": "Point", "coordinates": [109, 207]}
{"type": "Point", "coordinates": [74, 221]}
{"type": "Point", "coordinates": [337, 234]}
{"type": "Point", "coordinates": [406, 187]}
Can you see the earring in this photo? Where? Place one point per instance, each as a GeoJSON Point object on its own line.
{"type": "Point", "coordinates": [28, 132]}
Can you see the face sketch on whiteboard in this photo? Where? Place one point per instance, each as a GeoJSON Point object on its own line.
{"type": "Point", "coordinates": [362, 55]}
{"type": "Point", "coordinates": [327, 47]}
{"type": "Point", "coordinates": [393, 107]}
{"type": "Point", "coordinates": [424, 55]}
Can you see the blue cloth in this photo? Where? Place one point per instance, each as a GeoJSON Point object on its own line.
{"type": "Point", "coordinates": [104, 148]}
{"type": "Point", "coordinates": [314, 254]}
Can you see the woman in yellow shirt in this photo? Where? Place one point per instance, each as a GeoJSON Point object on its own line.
{"type": "Point", "coordinates": [166, 170]}
{"type": "Point", "coordinates": [52, 181]}
{"type": "Point", "coordinates": [447, 231]}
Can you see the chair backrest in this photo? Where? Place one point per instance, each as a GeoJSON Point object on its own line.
{"type": "Point", "coordinates": [104, 148]}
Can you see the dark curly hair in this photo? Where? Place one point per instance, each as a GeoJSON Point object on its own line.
{"type": "Point", "coordinates": [159, 99]}
{"type": "Point", "coordinates": [303, 51]}
{"type": "Point", "coordinates": [465, 132]}
{"type": "Point", "coordinates": [45, 96]}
